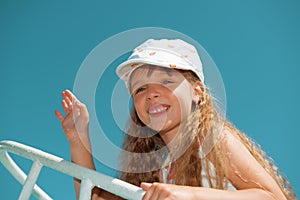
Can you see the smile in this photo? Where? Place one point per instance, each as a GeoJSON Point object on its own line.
{"type": "Point", "coordinates": [158, 109]}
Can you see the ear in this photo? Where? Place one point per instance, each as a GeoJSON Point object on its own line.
{"type": "Point", "coordinates": [198, 90]}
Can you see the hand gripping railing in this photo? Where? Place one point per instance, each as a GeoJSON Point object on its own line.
{"type": "Point", "coordinates": [89, 178]}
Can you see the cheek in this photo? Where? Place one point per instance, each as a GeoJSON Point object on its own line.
{"type": "Point", "coordinates": [185, 107]}
{"type": "Point", "coordinates": [139, 107]}
{"type": "Point", "coordinates": [184, 104]}
{"type": "Point", "coordinates": [136, 104]}
{"type": "Point", "coordinates": [184, 101]}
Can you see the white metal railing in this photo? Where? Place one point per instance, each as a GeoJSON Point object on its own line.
{"type": "Point", "coordinates": [89, 178]}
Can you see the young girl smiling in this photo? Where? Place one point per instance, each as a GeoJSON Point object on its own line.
{"type": "Point", "coordinates": [179, 146]}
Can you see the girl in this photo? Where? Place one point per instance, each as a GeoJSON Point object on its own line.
{"type": "Point", "coordinates": [177, 145]}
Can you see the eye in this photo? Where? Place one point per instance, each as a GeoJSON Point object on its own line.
{"type": "Point", "coordinates": [140, 89]}
{"type": "Point", "coordinates": [165, 82]}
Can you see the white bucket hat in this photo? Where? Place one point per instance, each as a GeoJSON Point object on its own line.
{"type": "Point", "coordinates": [176, 54]}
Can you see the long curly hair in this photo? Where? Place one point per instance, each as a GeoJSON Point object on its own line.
{"type": "Point", "coordinates": [144, 149]}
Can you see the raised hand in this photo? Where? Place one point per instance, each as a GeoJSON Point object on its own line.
{"type": "Point", "coordinates": [76, 119]}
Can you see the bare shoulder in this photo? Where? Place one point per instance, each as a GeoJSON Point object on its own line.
{"type": "Point", "coordinates": [241, 167]}
{"type": "Point", "coordinates": [240, 164]}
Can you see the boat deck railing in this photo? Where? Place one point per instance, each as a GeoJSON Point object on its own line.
{"type": "Point", "coordinates": [89, 178]}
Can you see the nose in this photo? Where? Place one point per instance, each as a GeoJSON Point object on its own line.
{"type": "Point", "coordinates": [152, 92]}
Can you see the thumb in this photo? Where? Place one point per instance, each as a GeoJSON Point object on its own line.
{"type": "Point", "coordinates": [146, 186]}
{"type": "Point", "coordinates": [59, 115]}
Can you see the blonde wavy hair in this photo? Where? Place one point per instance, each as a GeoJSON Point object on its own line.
{"type": "Point", "coordinates": [204, 124]}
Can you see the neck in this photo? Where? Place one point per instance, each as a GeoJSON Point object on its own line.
{"type": "Point", "coordinates": [168, 135]}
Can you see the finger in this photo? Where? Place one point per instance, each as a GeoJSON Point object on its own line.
{"type": "Point", "coordinates": [68, 101]}
{"type": "Point", "coordinates": [59, 115]}
{"type": "Point", "coordinates": [69, 94]}
{"type": "Point", "coordinates": [155, 191]}
{"type": "Point", "coordinates": [146, 186]}
{"type": "Point", "coordinates": [149, 192]}
{"type": "Point", "coordinates": [73, 98]}
{"type": "Point", "coordinates": [146, 196]}
{"type": "Point", "coordinates": [65, 107]}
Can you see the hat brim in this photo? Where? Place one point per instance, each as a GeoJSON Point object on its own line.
{"type": "Point", "coordinates": [125, 69]}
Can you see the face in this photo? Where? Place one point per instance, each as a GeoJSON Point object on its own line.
{"type": "Point", "coordinates": [162, 98]}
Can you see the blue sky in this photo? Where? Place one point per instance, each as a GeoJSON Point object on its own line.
{"type": "Point", "coordinates": [255, 45]}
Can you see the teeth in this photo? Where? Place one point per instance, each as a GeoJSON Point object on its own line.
{"type": "Point", "coordinates": [157, 110]}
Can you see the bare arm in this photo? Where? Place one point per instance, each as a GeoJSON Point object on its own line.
{"type": "Point", "coordinates": [75, 126]}
{"type": "Point", "coordinates": [246, 174]}
{"type": "Point", "coordinates": [164, 191]}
